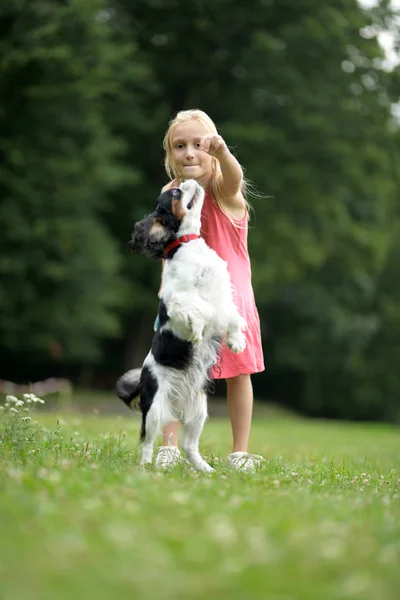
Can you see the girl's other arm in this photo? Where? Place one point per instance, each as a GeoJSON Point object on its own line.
{"type": "Point", "coordinates": [170, 185]}
{"type": "Point", "coordinates": [162, 270]}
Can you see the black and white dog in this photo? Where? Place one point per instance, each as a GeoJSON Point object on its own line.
{"type": "Point", "coordinates": [196, 313]}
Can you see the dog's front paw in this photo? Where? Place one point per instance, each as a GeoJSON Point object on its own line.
{"type": "Point", "coordinates": [202, 465]}
{"type": "Point", "coordinates": [236, 343]}
{"type": "Point", "coordinates": [206, 468]}
{"type": "Point", "coordinates": [242, 324]}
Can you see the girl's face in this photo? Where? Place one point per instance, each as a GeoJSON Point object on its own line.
{"type": "Point", "coordinates": [189, 161]}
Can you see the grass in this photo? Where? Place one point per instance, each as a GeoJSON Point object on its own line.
{"type": "Point", "coordinates": [321, 519]}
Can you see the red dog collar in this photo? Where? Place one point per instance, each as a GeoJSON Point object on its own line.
{"type": "Point", "coordinates": [179, 242]}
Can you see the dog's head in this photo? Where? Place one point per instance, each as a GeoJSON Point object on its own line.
{"type": "Point", "coordinates": [177, 213]}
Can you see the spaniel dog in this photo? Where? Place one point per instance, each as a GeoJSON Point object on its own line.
{"type": "Point", "coordinates": [196, 314]}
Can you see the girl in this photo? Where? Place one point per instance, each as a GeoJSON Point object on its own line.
{"type": "Point", "coordinates": [194, 150]}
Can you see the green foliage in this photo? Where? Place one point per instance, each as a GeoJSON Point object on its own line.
{"type": "Point", "coordinates": [59, 161]}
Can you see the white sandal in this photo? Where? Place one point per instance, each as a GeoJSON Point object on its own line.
{"type": "Point", "coordinates": [243, 461]}
{"type": "Point", "coordinates": [168, 457]}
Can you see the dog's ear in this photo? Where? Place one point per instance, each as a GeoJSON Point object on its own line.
{"type": "Point", "coordinates": [139, 238]}
{"type": "Point", "coordinates": [150, 237]}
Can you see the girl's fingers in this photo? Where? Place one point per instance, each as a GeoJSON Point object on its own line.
{"type": "Point", "coordinates": [211, 143]}
{"type": "Point", "coordinates": [216, 145]}
{"type": "Point", "coordinates": [206, 141]}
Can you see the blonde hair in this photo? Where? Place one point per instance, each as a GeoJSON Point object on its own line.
{"type": "Point", "coordinates": [184, 116]}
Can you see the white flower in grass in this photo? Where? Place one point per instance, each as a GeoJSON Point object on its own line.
{"type": "Point", "coordinates": [19, 403]}
{"type": "Point", "coordinates": [2, 408]}
{"type": "Point", "coordinates": [14, 410]}
{"type": "Point", "coordinates": [26, 419]}
{"type": "Point", "coordinates": [33, 398]}
{"type": "Point", "coordinates": [11, 399]}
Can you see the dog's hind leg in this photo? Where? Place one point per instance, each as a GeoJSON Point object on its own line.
{"type": "Point", "coordinates": [152, 428]}
{"type": "Point", "coordinates": [191, 435]}
{"type": "Point", "coordinates": [150, 411]}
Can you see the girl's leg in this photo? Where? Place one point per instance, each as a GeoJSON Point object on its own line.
{"type": "Point", "coordinates": [240, 407]}
{"type": "Point", "coordinates": [171, 430]}
{"type": "Point", "coordinates": [168, 454]}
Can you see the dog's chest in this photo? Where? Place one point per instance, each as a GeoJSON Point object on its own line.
{"type": "Point", "coordinates": [193, 270]}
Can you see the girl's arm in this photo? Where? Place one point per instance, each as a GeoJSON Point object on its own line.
{"type": "Point", "coordinates": [230, 184]}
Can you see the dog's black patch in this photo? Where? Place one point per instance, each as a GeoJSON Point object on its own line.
{"type": "Point", "coordinates": [164, 212]}
{"type": "Point", "coordinates": [162, 313]}
{"type": "Point", "coordinates": [164, 200]}
{"type": "Point", "coordinates": [148, 389]}
{"type": "Point", "coordinates": [170, 351]}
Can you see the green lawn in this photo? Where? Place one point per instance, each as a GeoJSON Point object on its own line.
{"type": "Point", "coordinates": [79, 520]}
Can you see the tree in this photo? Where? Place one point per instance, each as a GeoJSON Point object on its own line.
{"type": "Point", "coordinates": [60, 162]}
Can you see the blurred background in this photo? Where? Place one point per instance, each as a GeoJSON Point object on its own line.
{"type": "Point", "coordinates": [305, 93]}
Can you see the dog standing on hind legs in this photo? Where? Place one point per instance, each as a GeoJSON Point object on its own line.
{"type": "Point", "coordinates": [196, 314]}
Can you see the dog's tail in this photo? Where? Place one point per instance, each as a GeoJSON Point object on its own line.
{"type": "Point", "coordinates": [128, 387]}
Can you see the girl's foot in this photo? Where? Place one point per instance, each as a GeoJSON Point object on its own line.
{"type": "Point", "coordinates": [243, 461]}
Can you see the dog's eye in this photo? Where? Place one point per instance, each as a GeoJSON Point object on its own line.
{"type": "Point", "coordinates": [176, 192]}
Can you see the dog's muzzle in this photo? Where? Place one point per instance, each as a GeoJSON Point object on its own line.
{"type": "Point", "coordinates": [192, 187]}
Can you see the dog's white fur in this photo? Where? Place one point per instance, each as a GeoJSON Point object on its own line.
{"type": "Point", "coordinates": [197, 292]}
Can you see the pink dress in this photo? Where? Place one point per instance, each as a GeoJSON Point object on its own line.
{"type": "Point", "coordinates": [230, 243]}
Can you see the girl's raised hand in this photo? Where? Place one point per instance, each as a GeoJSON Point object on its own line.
{"type": "Point", "coordinates": [213, 144]}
